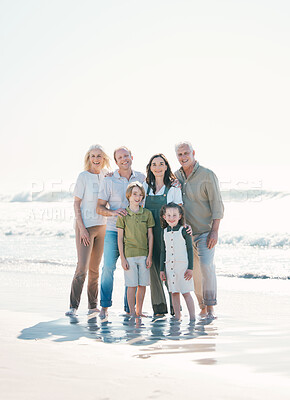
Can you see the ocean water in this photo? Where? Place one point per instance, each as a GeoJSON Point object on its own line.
{"type": "Point", "coordinates": [36, 234]}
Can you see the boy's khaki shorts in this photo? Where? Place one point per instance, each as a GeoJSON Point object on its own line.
{"type": "Point", "coordinates": [137, 274]}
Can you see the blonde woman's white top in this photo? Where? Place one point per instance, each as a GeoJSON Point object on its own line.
{"type": "Point", "coordinates": [87, 188]}
{"type": "Point", "coordinates": [174, 194]}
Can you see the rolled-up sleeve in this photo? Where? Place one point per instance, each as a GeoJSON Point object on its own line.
{"type": "Point", "coordinates": [120, 222]}
{"type": "Point", "coordinates": [79, 189]}
{"type": "Point", "coordinates": [104, 193]}
{"type": "Point", "coordinates": [214, 196]}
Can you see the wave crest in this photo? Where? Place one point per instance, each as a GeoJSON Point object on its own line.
{"type": "Point", "coordinates": [280, 240]}
{"type": "Point", "coordinates": [227, 195]}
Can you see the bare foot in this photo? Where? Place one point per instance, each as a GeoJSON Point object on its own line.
{"type": "Point", "coordinates": [103, 313]}
{"type": "Point", "coordinates": [93, 311]}
{"type": "Point", "coordinates": [142, 315]}
{"type": "Point", "coordinates": [175, 319]}
{"type": "Point", "coordinates": [210, 312]}
{"type": "Point", "coordinates": [203, 312]}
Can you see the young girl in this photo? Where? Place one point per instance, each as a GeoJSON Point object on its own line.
{"type": "Point", "coordinates": [176, 257]}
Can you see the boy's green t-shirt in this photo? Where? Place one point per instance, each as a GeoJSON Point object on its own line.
{"type": "Point", "coordinates": [135, 226]}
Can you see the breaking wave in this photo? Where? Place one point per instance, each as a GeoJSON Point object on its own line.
{"type": "Point", "coordinates": [228, 195]}
{"type": "Point", "coordinates": [261, 240]}
{"type": "Point", "coordinates": [278, 240]}
{"type": "Point", "coordinates": [254, 276]}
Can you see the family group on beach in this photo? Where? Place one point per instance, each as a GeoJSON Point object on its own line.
{"type": "Point", "coordinates": [163, 226]}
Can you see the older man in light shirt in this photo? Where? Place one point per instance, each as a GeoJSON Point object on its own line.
{"type": "Point", "coordinates": [203, 211]}
{"type": "Point", "coordinates": [113, 194]}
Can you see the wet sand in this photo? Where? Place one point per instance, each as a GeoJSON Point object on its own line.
{"type": "Point", "coordinates": [243, 354]}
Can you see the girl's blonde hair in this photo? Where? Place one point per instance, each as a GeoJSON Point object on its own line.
{"type": "Point", "coordinates": [106, 162]}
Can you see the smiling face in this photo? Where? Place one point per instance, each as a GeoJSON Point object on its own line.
{"type": "Point", "coordinates": [136, 197]}
{"type": "Point", "coordinates": [185, 156]}
{"type": "Point", "coordinates": [96, 159]}
{"type": "Point", "coordinates": [123, 159]}
{"type": "Point", "coordinates": [172, 216]}
{"type": "Point", "coordinates": [158, 167]}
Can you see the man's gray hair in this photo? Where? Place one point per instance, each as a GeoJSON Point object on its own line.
{"type": "Point", "coordinates": [183, 144]}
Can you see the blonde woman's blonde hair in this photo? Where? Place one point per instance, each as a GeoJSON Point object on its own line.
{"type": "Point", "coordinates": [106, 162]}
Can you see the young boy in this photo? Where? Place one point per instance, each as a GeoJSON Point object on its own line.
{"type": "Point", "coordinates": [135, 242]}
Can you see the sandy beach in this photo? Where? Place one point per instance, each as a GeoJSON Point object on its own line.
{"type": "Point", "coordinates": [243, 354]}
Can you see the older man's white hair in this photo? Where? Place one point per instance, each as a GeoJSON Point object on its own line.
{"type": "Point", "coordinates": [180, 144]}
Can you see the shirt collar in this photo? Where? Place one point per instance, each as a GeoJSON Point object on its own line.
{"type": "Point", "coordinates": [175, 228]}
{"type": "Point", "coordinates": [195, 168]}
{"type": "Point", "coordinates": [130, 212]}
{"type": "Point", "coordinates": [117, 175]}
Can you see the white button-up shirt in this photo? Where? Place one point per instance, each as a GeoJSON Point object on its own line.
{"type": "Point", "coordinates": [113, 190]}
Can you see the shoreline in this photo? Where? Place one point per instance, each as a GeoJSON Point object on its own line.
{"type": "Point", "coordinates": [244, 353]}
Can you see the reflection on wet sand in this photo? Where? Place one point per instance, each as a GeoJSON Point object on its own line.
{"type": "Point", "coordinates": [132, 331]}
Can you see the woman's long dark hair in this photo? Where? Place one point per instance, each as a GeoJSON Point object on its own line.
{"type": "Point", "coordinates": [169, 176]}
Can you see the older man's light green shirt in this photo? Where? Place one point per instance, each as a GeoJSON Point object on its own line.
{"type": "Point", "coordinates": [202, 199]}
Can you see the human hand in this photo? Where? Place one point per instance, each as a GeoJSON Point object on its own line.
{"type": "Point", "coordinates": [188, 229]}
{"type": "Point", "coordinates": [188, 274]}
{"type": "Point", "coordinates": [176, 184]}
{"type": "Point", "coordinates": [162, 276]}
{"type": "Point", "coordinates": [148, 262]}
{"type": "Point", "coordinates": [119, 211]}
{"type": "Point", "coordinates": [212, 239]}
{"type": "Point", "coordinates": [109, 174]}
{"type": "Point", "coordinates": [84, 237]}
{"type": "Point", "coordinates": [124, 264]}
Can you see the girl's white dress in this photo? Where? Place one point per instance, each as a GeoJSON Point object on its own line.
{"type": "Point", "coordinates": [176, 262]}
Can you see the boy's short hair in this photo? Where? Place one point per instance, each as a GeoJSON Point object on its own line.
{"type": "Point", "coordinates": [131, 187]}
{"type": "Point", "coordinates": [180, 209]}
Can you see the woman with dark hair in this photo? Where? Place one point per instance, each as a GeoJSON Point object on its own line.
{"type": "Point", "coordinates": [159, 191]}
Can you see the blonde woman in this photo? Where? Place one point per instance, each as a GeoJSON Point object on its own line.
{"type": "Point", "coordinates": [90, 228]}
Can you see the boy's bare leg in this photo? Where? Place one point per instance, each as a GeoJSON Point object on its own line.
{"type": "Point", "coordinates": [139, 300]}
{"type": "Point", "coordinates": [176, 305]}
{"type": "Point", "coordinates": [131, 299]}
{"type": "Point", "coordinates": [190, 305]}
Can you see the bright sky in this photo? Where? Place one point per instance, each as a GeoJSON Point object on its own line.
{"type": "Point", "coordinates": [145, 74]}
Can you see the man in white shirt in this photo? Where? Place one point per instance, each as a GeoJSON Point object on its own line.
{"type": "Point", "coordinates": [113, 194]}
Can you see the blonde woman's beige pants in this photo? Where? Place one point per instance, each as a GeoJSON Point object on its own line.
{"type": "Point", "coordinates": [89, 258]}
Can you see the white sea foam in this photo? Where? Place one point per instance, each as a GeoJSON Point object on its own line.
{"type": "Point", "coordinates": [267, 239]}
{"type": "Point", "coordinates": [254, 239]}
{"type": "Point", "coordinates": [231, 195]}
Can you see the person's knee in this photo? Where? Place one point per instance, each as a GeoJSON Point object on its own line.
{"type": "Point", "coordinates": [80, 276]}
{"type": "Point", "coordinates": [94, 274]}
{"type": "Point", "coordinates": [207, 266]}
{"type": "Point", "coordinates": [108, 268]}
